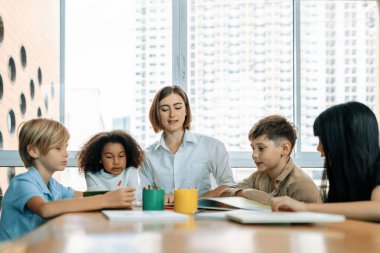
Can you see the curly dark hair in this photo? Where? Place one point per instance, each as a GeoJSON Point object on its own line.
{"type": "Point", "coordinates": [90, 155]}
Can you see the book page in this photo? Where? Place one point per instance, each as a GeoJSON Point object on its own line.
{"type": "Point", "coordinates": [231, 203]}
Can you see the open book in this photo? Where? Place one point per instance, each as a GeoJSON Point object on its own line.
{"type": "Point", "coordinates": [231, 203]}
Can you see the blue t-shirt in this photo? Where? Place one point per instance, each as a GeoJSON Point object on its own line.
{"type": "Point", "coordinates": [16, 218]}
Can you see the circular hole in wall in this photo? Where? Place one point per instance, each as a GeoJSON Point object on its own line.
{"type": "Point", "coordinates": [1, 29]}
{"type": "Point", "coordinates": [31, 85]}
{"type": "Point", "coordinates": [22, 103]}
{"type": "Point", "coordinates": [52, 89]}
{"type": "Point", "coordinates": [39, 75]}
{"type": "Point", "coordinates": [1, 88]}
{"type": "Point", "coordinates": [46, 102]}
{"type": "Point", "coordinates": [39, 113]}
{"type": "Point", "coordinates": [12, 69]}
{"type": "Point", "coordinates": [1, 141]}
{"type": "Point", "coordinates": [23, 56]}
{"type": "Point", "coordinates": [11, 121]}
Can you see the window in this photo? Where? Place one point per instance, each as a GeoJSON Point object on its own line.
{"type": "Point", "coordinates": [315, 46]}
{"type": "Point", "coordinates": [116, 59]}
{"type": "Point", "coordinates": [249, 76]}
{"type": "Point", "coordinates": [238, 60]}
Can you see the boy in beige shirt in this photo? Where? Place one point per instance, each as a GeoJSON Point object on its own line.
{"type": "Point", "coordinates": [272, 141]}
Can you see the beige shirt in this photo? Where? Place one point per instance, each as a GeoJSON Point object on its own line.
{"type": "Point", "coordinates": [292, 182]}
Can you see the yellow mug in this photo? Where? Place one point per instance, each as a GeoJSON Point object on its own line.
{"type": "Point", "coordinates": [185, 200]}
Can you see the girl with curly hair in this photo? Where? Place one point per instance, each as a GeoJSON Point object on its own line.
{"type": "Point", "coordinates": [110, 160]}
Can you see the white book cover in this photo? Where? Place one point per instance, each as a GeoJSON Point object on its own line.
{"type": "Point", "coordinates": [146, 216]}
{"type": "Point", "coordinates": [252, 217]}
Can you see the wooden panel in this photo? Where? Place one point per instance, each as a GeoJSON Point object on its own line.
{"type": "Point", "coordinates": [35, 25]}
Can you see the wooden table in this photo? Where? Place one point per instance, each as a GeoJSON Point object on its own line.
{"type": "Point", "coordinates": [92, 232]}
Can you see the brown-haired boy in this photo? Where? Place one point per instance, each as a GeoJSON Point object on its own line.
{"type": "Point", "coordinates": [272, 141]}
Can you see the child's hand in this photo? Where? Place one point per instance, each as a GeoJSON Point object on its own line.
{"type": "Point", "coordinates": [169, 199]}
{"type": "Point", "coordinates": [259, 196]}
{"type": "Point", "coordinates": [287, 204]}
{"type": "Point", "coordinates": [121, 198]}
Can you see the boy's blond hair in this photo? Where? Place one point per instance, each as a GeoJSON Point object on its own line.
{"type": "Point", "coordinates": [44, 134]}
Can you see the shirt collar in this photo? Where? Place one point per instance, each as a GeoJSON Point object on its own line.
{"type": "Point", "coordinates": [160, 143]}
{"type": "Point", "coordinates": [37, 176]}
{"type": "Point", "coordinates": [188, 137]}
{"type": "Point", "coordinates": [286, 171]}
{"type": "Point", "coordinates": [107, 175]}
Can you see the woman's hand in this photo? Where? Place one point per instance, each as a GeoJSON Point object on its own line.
{"type": "Point", "coordinates": [121, 198]}
{"type": "Point", "coordinates": [169, 199]}
{"type": "Point", "coordinates": [287, 204]}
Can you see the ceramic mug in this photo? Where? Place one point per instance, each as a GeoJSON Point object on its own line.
{"type": "Point", "coordinates": [185, 200]}
{"type": "Point", "coordinates": [153, 199]}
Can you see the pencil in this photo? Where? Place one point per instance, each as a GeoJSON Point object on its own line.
{"type": "Point", "coordinates": [118, 185]}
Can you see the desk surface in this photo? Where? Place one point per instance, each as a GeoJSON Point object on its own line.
{"type": "Point", "coordinates": [92, 232]}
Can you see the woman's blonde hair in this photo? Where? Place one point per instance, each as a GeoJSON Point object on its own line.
{"type": "Point", "coordinates": [41, 133]}
{"type": "Point", "coordinates": [154, 112]}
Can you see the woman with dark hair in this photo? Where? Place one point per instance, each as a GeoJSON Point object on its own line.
{"type": "Point", "coordinates": [183, 159]}
{"type": "Point", "coordinates": [349, 142]}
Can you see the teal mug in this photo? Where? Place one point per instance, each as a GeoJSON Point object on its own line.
{"type": "Point", "coordinates": [153, 199]}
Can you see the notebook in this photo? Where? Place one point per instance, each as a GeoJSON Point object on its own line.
{"type": "Point", "coordinates": [146, 216]}
{"type": "Point", "coordinates": [252, 217]}
{"type": "Point", "coordinates": [231, 203]}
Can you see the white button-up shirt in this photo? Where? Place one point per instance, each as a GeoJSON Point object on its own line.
{"type": "Point", "coordinates": [191, 166]}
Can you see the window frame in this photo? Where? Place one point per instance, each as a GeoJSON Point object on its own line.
{"type": "Point", "coordinates": [241, 159]}
{"type": "Point", "coordinates": [11, 158]}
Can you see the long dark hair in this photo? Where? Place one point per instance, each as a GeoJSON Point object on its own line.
{"type": "Point", "coordinates": [349, 135]}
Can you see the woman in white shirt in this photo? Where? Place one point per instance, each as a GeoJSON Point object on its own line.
{"type": "Point", "coordinates": [183, 159]}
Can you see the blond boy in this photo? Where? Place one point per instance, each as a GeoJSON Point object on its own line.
{"type": "Point", "coordinates": [272, 141]}
{"type": "Point", "coordinates": [35, 196]}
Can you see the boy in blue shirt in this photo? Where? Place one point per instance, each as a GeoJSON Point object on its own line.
{"type": "Point", "coordinates": [34, 197]}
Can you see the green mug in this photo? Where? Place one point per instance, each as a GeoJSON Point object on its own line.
{"type": "Point", "coordinates": [93, 193]}
{"type": "Point", "coordinates": [153, 199]}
